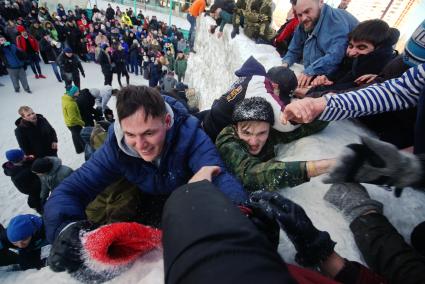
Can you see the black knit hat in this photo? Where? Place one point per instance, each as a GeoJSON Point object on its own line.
{"type": "Point", "coordinates": [286, 80]}
{"type": "Point", "coordinates": [42, 166]}
{"type": "Point", "coordinates": [253, 109]}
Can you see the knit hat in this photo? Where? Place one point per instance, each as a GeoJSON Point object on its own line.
{"type": "Point", "coordinates": [21, 227]}
{"type": "Point", "coordinates": [414, 51]}
{"type": "Point", "coordinates": [253, 109]}
{"type": "Point", "coordinates": [286, 80]}
{"type": "Point", "coordinates": [42, 165]}
{"type": "Point", "coordinates": [15, 155]}
{"type": "Point", "coordinates": [20, 28]}
{"type": "Point", "coordinates": [72, 90]}
{"type": "Point", "coordinates": [67, 50]}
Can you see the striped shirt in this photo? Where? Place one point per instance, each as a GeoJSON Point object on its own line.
{"type": "Point", "coordinates": [392, 95]}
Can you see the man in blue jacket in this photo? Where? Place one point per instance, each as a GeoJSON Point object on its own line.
{"type": "Point", "coordinates": [12, 58]}
{"type": "Point", "coordinates": [155, 144]}
{"type": "Point", "coordinates": [320, 39]}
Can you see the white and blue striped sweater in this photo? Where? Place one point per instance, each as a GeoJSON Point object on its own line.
{"type": "Point", "coordinates": [392, 95]}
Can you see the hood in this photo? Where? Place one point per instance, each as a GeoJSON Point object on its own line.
{"type": "Point", "coordinates": [251, 67]}
{"type": "Point", "coordinates": [119, 134]}
{"type": "Point", "coordinates": [9, 169]}
{"type": "Point", "coordinates": [57, 163]}
{"type": "Point", "coordinates": [95, 92]}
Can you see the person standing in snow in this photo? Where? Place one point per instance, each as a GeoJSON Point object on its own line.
{"type": "Point", "coordinates": [156, 145]}
{"type": "Point", "coordinates": [86, 103]}
{"type": "Point", "coordinates": [26, 233]}
{"type": "Point", "coordinates": [197, 7]}
{"type": "Point", "coordinates": [247, 148]}
{"type": "Point", "coordinates": [119, 58]}
{"type": "Point", "coordinates": [72, 117]}
{"type": "Point", "coordinates": [51, 173]}
{"type": "Point", "coordinates": [35, 135]}
{"type": "Point", "coordinates": [104, 59]}
{"type": "Point", "coordinates": [13, 59]}
{"type": "Point", "coordinates": [18, 168]}
{"type": "Point", "coordinates": [180, 66]}
{"type": "Point", "coordinates": [50, 50]}
{"type": "Point", "coordinates": [70, 66]}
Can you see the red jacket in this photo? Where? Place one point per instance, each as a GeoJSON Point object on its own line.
{"type": "Point", "coordinates": [288, 30]}
{"type": "Point", "coordinates": [22, 44]}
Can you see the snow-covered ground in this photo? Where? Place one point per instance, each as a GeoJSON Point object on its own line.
{"type": "Point", "coordinates": [210, 71]}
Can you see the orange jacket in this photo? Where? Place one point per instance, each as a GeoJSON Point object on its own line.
{"type": "Point", "coordinates": [197, 7]}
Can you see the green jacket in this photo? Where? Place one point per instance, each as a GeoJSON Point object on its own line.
{"type": "Point", "coordinates": [180, 66]}
{"type": "Point", "coordinates": [71, 113]}
{"type": "Point", "coordinates": [226, 18]}
{"type": "Point", "coordinates": [171, 62]}
{"type": "Point", "coordinates": [263, 172]}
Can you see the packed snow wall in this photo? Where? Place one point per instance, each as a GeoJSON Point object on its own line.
{"type": "Point", "coordinates": [211, 70]}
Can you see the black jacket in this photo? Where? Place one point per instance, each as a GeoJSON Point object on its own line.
{"type": "Point", "coordinates": [48, 50]}
{"type": "Point", "coordinates": [119, 58]}
{"type": "Point", "coordinates": [104, 62]}
{"type": "Point", "coordinates": [69, 64]}
{"type": "Point", "coordinates": [36, 139]}
{"type": "Point", "coordinates": [85, 102]}
{"type": "Point", "coordinates": [110, 13]}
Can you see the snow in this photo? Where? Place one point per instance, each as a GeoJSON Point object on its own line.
{"type": "Point", "coordinates": [210, 71]}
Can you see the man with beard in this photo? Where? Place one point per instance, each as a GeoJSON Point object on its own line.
{"type": "Point", "coordinates": [320, 40]}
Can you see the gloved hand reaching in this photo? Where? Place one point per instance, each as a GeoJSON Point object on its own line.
{"type": "Point", "coordinates": [101, 254]}
{"type": "Point", "coordinates": [312, 245]}
{"type": "Point", "coordinates": [235, 32]}
{"type": "Point", "coordinates": [377, 162]}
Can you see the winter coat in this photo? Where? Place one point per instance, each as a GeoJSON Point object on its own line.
{"type": "Point", "coordinates": [53, 178]}
{"type": "Point", "coordinates": [154, 74]}
{"type": "Point", "coordinates": [186, 149]}
{"type": "Point", "coordinates": [120, 59]}
{"type": "Point", "coordinates": [134, 52]}
{"type": "Point", "coordinates": [324, 49]}
{"type": "Point", "coordinates": [262, 171]}
{"type": "Point", "coordinates": [7, 257]}
{"type": "Point", "coordinates": [180, 66]}
{"type": "Point", "coordinates": [168, 83]}
{"type": "Point", "coordinates": [251, 82]}
{"type": "Point", "coordinates": [110, 13]}
{"type": "Point", "coordinates": [197, 7]}
{"type": "Point", "coordinates": [36, 139]}
{"type": "Point", "coordinates": [181, 45]}
{"type": "Point", "coordinates": [12, 57]}
{"type": "Point", "coordinates": [69, 64]}
{"type": "Point", "coordinates": [21, 43]}
{"type": "Point", "coordinates": [85, 102]}
{"type": "Point", "coordinates": [49, 50]}
{"type": "Point", "coordinates": [37, 33]}
{"type": "Point", "coordinates": [71, 113]}
{"type": "Point", "coordinates": [25, 181]}
{"type": "Point", "coordinates": [104, 60]}
{"type": "Point", "coordinates": [226, 18]}
{"type": "Point", "coordinates": [102, 96]}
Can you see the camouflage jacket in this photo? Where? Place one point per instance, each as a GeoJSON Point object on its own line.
{"type": "Point", "coordinates": [263, 172]}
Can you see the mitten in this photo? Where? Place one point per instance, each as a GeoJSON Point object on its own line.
{"type": "Point", "coordinates": [212, 29]}
{"type": "Point", "coordinates": [352, 199]}
{"type": "Point", "coordinates": [376, 162]}
{"type": "Point", "coordinates": [312, 245]}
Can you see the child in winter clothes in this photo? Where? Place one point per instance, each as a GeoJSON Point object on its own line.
{"type": "Point", "coordinates": [51, 173]}
{"type": "Point", "coordinates": [72, 117]}
{"type": "Point", "coordinates": [180, 66]}
{"type": "Point", "coordinates": [26, 232]}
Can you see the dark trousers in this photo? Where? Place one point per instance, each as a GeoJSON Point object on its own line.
{"type": "Point", "coordinates": [8, 257]}
{"type": "Point", "coordinates": [107, 74]}
{"type": "Point", "coordinates": [134, 66]}
{"type": "Point", "coordinates": [68, 78]}
{"type": "Point", "coordinates": [419, 143]}
{"type": "Point", "coordinates": [76, 138]}
{"type": "Point", "coordinates": [34, 61]}
{"type": "Point", "coordinates": [192, 31]}
{"type": "Point", "coordinates": [206, 239]}
{"type": "Point", "coordinates": [123, 72]}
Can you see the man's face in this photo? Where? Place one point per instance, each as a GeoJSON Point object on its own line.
{"type": "Point", "coordinates": [25, 34]}
{"type": "Point", "coordinates": [357, 48]}
{"type": "Point", "coordinates": [29, 116]}
{"type": "Point", "coordinates": [308, 12]}
{"type": "Point", "coordinates": [255, 134]}
{"type": "Point", "coordinates": [2, 40]}
{"type": "Point", "coordinates": [68, 54]}
{"type": "Point", "coordinates": [146, 135]}
{"type": "Point", "coordinates": [22, 244]}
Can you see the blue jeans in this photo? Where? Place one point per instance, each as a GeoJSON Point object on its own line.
{"type": "Point", "coordinates": [56, 71]}
{"type": "Point", "coordinates": [34, 61]}
{"type": "Point", "coordinates": [192, 31]}
{"type": "Point", "coordinates": [419, 144]}
{"type": "Point", "coordinates": [134, 66]}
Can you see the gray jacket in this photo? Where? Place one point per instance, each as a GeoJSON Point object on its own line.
{"type": "Point", "coordinates": [53, 178]}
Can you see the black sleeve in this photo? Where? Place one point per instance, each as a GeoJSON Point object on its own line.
{"type": "Point", "coordinates": [23, 142]}
{"type": "Point", "coordinates": [385, 250]}
{"type": "Point", "coordinates": [206, 239]}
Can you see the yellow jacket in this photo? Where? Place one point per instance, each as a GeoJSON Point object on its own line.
{"type": "Point", "coordinates": [71, 113]}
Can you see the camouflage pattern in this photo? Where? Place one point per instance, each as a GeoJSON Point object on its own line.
{"type": "Point", "coordinates": [257, 16]}
{"type": "Point", "coordinates": [263, 172]}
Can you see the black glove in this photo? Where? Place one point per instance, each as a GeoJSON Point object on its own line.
{"type": "Point", "coordinates": [377, 162]}
{"type": "Point", "coordinates": [65, 254]}
{"type": "Point", "coordinates": [83, 74]}
{"type": "Point", "coordinates": [312, 245]}
{"type": "Point", "coordinates": [212, 29]}
{"type": "Point", "coordinates": [235, 32]}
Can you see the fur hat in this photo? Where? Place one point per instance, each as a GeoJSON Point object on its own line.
{"type": "Point", "coordinates": [286, 80]}
{"type": "Point", "coordinates": [15, 155]}
{"type": "Point", "coordinates": [42, 165]}
{"type": "Point", "coordinates": [21, 227]}
{"type": "Point", "coordinates": [414, 52]}
{"type": "Point", "coordinates": [253, 109]}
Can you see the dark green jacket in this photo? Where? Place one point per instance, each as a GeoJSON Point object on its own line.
{"type": "Point", "coordinates": [263, 172]}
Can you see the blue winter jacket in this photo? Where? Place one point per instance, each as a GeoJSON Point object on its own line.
{"type": "Point", "coordinates": [324, 49]}
{"type": "Point", "coordinates": [187, 148]}
{"type": "Point", "coordinates": [9, 55]}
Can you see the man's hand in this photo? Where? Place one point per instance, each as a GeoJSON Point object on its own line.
{"type": "Point", "coordinates": [83, 74]}
{"type": "Point", "coordinates": [55, 145]}
{"type": "Point", "coordinates": [219, 34]}
{"type": "Point", "coordinates": [303, 111]}
{"type": "Point", "coordinates": [304, 80]}
{"type": "Point", "coordinates": [205, 173]}
{"type": "Point", "coordinates": [365, 79]}
{"type": "Point", "coordinates": [285, 64]}
{"type": "Point", "coordinates": [321, 80]}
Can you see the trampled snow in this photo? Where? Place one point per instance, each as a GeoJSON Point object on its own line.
{"type": "Point", "coordinates": [210, 71]}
